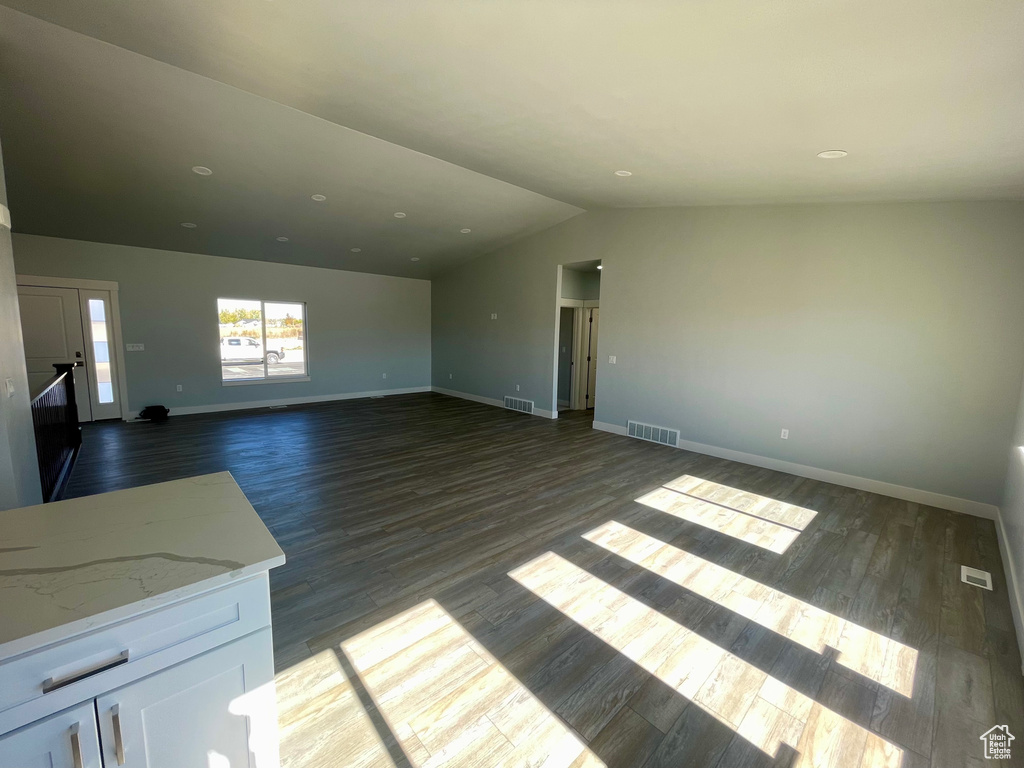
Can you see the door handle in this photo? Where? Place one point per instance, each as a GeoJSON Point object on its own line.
{"type": "Point", "coordinates": [76, 746]}
{"type": "Point", "coordinates": [115, 717]}
{"type": "Point", "coordinates": [49, 684]}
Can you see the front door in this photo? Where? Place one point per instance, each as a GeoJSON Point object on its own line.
{"type": "Point", "coordinates": [51, 325]}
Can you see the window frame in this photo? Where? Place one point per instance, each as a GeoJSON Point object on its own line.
{"type": "Point", "coordinates": [266, 378]}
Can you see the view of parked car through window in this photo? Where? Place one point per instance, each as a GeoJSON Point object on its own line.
{"type": "Point", "coordinates": [262, 340]}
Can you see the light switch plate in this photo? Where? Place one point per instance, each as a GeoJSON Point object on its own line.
{"type": "Point", "coordinates": [9, 387]}
{"type": "Point", "coordinates": [611, 359]}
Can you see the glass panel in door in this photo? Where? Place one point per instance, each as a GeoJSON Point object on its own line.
{"type": "Point", "coordinates": [101, 351]}
{"type": "Point", "coordinates": [101, 357]}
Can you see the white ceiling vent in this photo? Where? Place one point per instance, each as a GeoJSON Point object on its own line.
{"type": "Point", "coordinates": [515, 404]}
{"type": "Point", "coordinates": [978, 578]}
{"type": "Point", "coordinates": [654, 434]}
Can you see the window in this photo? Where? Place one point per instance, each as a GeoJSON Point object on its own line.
{"type": "Point", "coordinates": [262, 341]}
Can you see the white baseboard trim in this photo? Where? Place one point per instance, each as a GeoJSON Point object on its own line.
{"type": "Point", "coordinates": [939, 500]}
{"type": "Point", "coordinates": [189, 410]}
{"type": "Point", "coordinates": [468, 396]}
{"type": "Point", "coordinates": [615, 429]}
{"type": "Point", "coordinates": [490, 401]}
{"type": "Point", "coordinates": [1013, 588]}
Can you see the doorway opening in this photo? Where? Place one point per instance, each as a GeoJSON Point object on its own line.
{"type": "Point", "coordinates": [75, 321]}
{"type": "Point", "coordinates": [576, 337]}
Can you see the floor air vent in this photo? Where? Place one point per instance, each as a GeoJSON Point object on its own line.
{"type": "Point", "coordinates": [654, 434]}
{"type": "Point", "coordinates": [978, 578]}
{"type": "Point", "coordinates": [515, 404]}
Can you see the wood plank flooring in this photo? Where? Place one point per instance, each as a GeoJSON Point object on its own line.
{"type": "Point", "coordinates": [470, 586]}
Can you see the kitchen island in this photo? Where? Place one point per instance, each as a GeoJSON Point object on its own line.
{"type": "Point", "coordinates": [135, 629]}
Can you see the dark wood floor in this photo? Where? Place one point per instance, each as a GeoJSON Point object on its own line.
{"type": "Point", "coordinates": [382, 504]}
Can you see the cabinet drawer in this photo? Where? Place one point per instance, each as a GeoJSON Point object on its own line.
{"type": "Point", "coordinates": [57, 676]}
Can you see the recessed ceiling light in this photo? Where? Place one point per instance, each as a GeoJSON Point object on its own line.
{"type": "Point", "coordinates": [282, 239]}
{"type": "Point", "coordinates": [319, 198]}
{"type": "Point", "coordinates": [832, 154]}
{"type": "Point", "coordinates": [600, 266]}
{"type": "Point", "coordinates": [356, 250]}
{"type": "Point", "coordinates": [623, 173]}
{"type": "Point", "coordinates": [399, 215]}
{"type": "Point", "coordinates": [465, 230]}
{"type": "Point", "coordinates": [415, 258]}
{"type": "Point", "coordinates": [202, 170]}
{"type": "Point", "coordinates": [189, 225]}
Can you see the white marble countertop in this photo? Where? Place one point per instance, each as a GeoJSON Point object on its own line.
{"type": "Point", "coordinates": [73, 565]}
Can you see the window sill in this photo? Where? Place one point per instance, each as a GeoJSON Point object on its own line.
{"type": "Point", "coordinates": [270, 380]}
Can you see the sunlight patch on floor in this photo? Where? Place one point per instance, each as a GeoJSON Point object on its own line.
{"type": "Point", "coordinates": [754, 504]}
{"type": "Point", "coordinates": [871, 654]}
{"type": "Point", "coordinates": [321, 721]}
{"type": "Point", "coordinates": [762, 709]}
{"type": "Point", "coordinates": [749, 517]}
{"type": "Point", "coordinates": [447, 701]}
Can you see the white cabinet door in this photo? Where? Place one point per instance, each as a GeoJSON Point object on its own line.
{"type": "Point", "coordinates": [65, 740]}
{"type": "Point", "coordinates": [216, 710]}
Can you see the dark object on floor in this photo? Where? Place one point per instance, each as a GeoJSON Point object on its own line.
{"type": "Point", "coordinates": [154, 413]}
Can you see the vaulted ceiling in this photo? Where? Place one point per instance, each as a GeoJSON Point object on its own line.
{"type": "Point", "coordinates": [502, 117]}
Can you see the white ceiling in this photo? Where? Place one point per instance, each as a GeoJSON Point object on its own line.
{"type": "Point", "coordinates": [706, 102]}
{"type": "Point", "coordinates": [99, 143]}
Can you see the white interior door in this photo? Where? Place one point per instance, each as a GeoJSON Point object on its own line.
{"type": "Point", "coordinates": [51, 324]}
{"type": "Point", "coordinates": [586, 360]}
{"type": "Point", "coordinates": [216, 710]}
{"type": "Point", "coordinates": [68, 739]}
{"type": "Point", "coordinates": [592, 369]}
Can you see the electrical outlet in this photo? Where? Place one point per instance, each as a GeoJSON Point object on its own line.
{"type": "Point", "coordinates": [611, 359]}
{"type": "Point", "coordinates": [384, 375]}
{"type": "Point", "coordinates": [135, 347]}
{"type": "Point", "coordinates": [785, 434]}
{"type": "Point", "coordinates": [494, 315]}
{"type": "Point", "coordinates": [178, 387]}
{"type": "Point", "coordinates": [517, 387]}
{"type": "Point", "coordinates": [451, 376]}
{"type": "Point", "coordinates": [9, 387]}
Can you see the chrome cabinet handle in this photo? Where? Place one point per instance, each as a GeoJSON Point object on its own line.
{"type": "Point", "coordinates": [115, 713]}
{"type": "Point", "coordinates": [76, 746]}
{"type": "Point", "coordinates": [49, 684]}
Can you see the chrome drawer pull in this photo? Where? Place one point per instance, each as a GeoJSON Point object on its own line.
{"type": "Point", "coordinates": [115, 716]}
{"type": "Point", "coordinates": [52, 685]}
{"type": "Point", "coordinates": [76, 746]}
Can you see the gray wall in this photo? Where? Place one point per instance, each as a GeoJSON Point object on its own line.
{"type": "Point", "coordinates": [359, 326]}
{"type": "Point", "coordinates": [580, 285]}
{"type": "Point", "coordinates": [886, 338]}
{"type": "Point", "coordinates": [19, 472]}
{"type": "Point", "coordinates": [1012, 522]}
